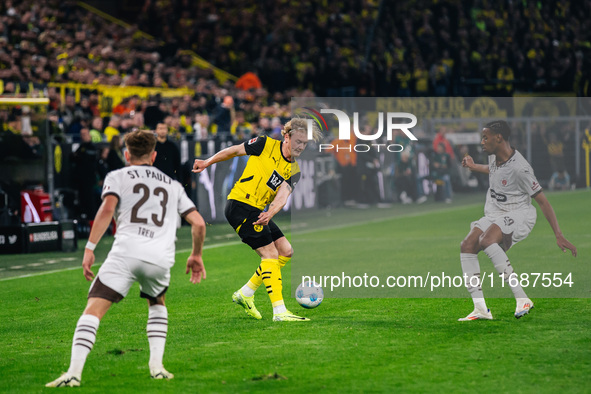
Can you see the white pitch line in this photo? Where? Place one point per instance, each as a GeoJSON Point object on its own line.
{"type": "Point", "coordinates": [98, 265]}
{"type": "Point", "coordinates": [41, 273]}
{"type": "Point", "coordinates": [336, 227]}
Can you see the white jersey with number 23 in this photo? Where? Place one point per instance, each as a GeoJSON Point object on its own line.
{"type": "Point", "coordinates": [147, 213]}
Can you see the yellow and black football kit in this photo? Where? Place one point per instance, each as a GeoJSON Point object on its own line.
{"type": "Point", "coordinates": [258, 185]}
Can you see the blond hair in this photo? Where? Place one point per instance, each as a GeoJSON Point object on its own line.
{"type": "Point", "coordinates": [301, 124]}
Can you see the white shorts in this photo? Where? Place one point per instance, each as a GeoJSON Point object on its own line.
{"type": "Point", "coordinates": [517, 224]}
{"type": "Point", "coordinates": [120, 273]}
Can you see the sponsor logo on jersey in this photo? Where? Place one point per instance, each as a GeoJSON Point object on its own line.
{"type": "Point", "coordinates": [535, 185]}
{"type": "Point", "coordinates": [252, 141]}
{"type": "Point", "coordinates": [497, 196]}
{"type": "Point", "coordinates": [508, 221]}
{"type": "Point", "coordinates": [275, 180]}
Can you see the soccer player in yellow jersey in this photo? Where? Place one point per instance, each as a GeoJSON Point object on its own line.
{"type": "Point", "coordinates": [270, 175]}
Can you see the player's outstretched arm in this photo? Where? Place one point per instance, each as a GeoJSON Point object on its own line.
{"type": "Point", "coordinates": [195, 261]}
{"type": "Point", "coordinates": [277, 205]}
{"type": "Point", "coordinates": [223, 155]}
{"type": "Point", "coordinates": [468, 162]}
{"type": "Point", "coordinates": [101, 223]}
{"type": "Point", "coordinates": [548, 211]}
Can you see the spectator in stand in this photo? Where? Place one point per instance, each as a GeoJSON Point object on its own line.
{"type": "Point", "coordinates": [201, 127]}
{"type": "Point", "coordinates": [555, 148]}
{"type": "Point", "coordinates": [122, 107]}
{"type": "Point", "coordinates": [264, 127]}
{"type": "Point", "coordinates": [440, 169]}
{"type": "Point", "coordinates": [103, 165]}
{"type": "Point", "coordinates": [68, 112]}
{"type": "Point", "coordinates": [126, 125]}
{"type": "Point", "coordinates": [368, 167]}
{"type": "Point", "coordinates": [421, 78]}
{"type": "Point", "coordinates": [96, 129]}
{"type": "Point", "coordinates": [440, 138]}
{"type": "Point", "coordinates": [168, 158]}
{"type": "Point", "coordinates": [153, 114]}
{"type": "Point", "coordinates": [115, 158]}
{"type": "Point", "coordinates": [30, 145]}
{"type": "Point", "coordinates": [276, 128]}
{"type": "Point", "coordinates": [113, 127]}
{"type": "Point", "coordinates": [560, 180]}
{"type": "Point", "coordinates": [83, 110]}
{"type": "Point", "coordinates": [241, 129]}
{"type": "Point", "coordinates": [249, 80]}
{"type": "Point", "coordinates": [201, 135]}
{"type": "Point", "coordinates": [56, 127]}
{"type": "Point", "coordinates": [405, 179]}
{"type": "Point", "coordinates": [85, 160]}
{"type": "Point", "coordinates": [223, 117]}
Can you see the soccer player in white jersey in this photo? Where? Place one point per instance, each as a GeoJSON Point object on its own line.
{"type": "Point", "coordinates": [509, 216]}
{"type": "Point", "coordinates": [146, 203]}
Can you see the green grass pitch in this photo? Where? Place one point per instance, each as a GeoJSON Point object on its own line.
{"type": "Point", "coordinates": [351, 344]}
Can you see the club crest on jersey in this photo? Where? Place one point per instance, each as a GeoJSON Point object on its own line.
{"type": "Point", "coordinates": [504, 182]}
{"type": "Point", "coordinates": [253, 140]}
{"type": "Point", "coordinates": [258, 228]}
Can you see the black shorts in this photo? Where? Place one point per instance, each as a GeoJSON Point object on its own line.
{"type": "Point", "coordinates": [241, 217]}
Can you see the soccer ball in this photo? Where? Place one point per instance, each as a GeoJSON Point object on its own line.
{"type": "Point", "coordinates": [309, 295]}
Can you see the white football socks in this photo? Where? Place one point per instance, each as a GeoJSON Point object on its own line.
{"type": "Point", "coordinates": [501, 262]}
{"type": "Point", "coordinates": [471, 270]}
{"type": "Point", "coordinates": [247, 291]}
{"type": "Point", "coordinates": [84, 338]}
{"type": "Point", "coordinates": [157, 329]}
{"type": "Point", "coordinates": [279, 309]}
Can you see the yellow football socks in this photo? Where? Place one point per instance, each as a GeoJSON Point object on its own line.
{"type": "Point", "coordinates": [271, 275]}
{"type": "Point", "coordinates": [283, 260]}
{"type": "Point", "coordinates": [256, 280]}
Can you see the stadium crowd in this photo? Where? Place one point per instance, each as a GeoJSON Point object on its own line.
{"type": "Point", "coordinates": [368, 48]}
{"type": "Point", "coordinates": [420, 47]}
{"type": "Point", "coordinates": [353, 48]}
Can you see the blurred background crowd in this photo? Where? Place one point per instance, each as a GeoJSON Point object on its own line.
{"type": "Point", "coordinates": [260, 54]}
{"type": "Point", "coordinates": [360, 48]}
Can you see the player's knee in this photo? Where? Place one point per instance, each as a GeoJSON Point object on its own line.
{"type": "Point", "coordinates": [469, 246]}
{"type": "Point", "coordinates": [270, 254]}
{"type": "Point", "coordinates": [156, 301]}
{"type": "Point", "coordinates": [485, 241]}
{"type": "Point", "coordinates": [287, 252]}
{"type": "Point", "coordinates": [464, 246]}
